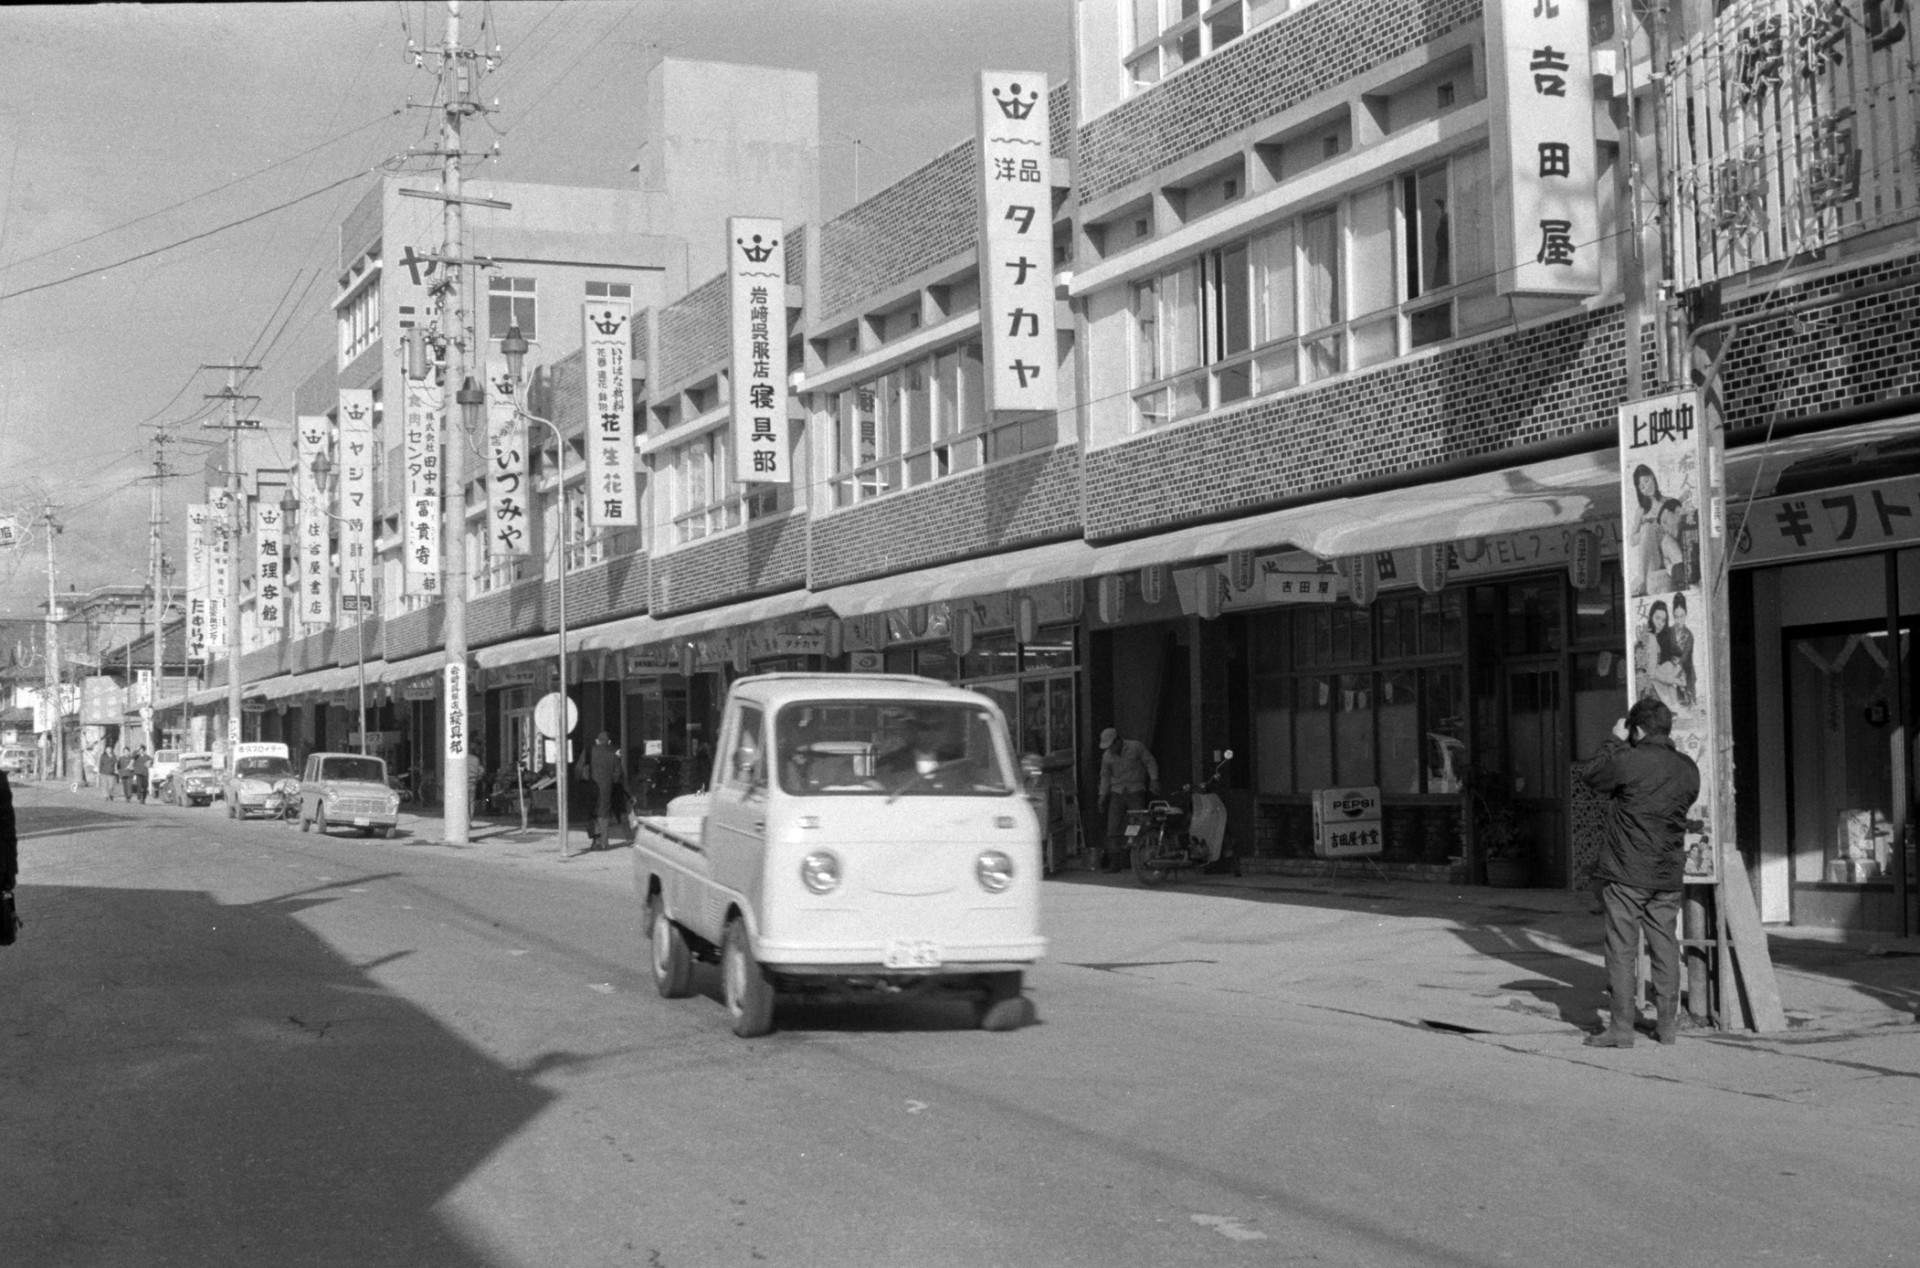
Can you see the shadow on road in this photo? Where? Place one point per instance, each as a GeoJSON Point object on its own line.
{"type": "Point", "coordinates": [192, 1082]}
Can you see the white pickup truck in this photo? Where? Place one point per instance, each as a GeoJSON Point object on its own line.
{"type": "Point", "coordinates": [859, 830]}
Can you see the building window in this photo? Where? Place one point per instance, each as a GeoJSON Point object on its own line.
{"type": "Point", "coordinates": [920, 422]}
{"type": "Point", "coordinates": [359, 321]}
{"type": "Point", "coordinates": [510, 302]}
{"type": "Point", "coordinates": [1392, 268]}
{"type": "Point", "coordinates": [698, 496]}
{"type": "Point", "coordinates": [1168, 34]}
{"type": "Point", "coordinates": [609, 290]}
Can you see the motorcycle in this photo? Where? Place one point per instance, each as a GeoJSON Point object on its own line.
{"type": "Point", "coordinates": [1162, 846]}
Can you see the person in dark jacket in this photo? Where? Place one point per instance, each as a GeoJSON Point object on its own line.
{"type": "Point", "coordinates": [9, 856]}
{"type": "Point", "coordinates": [1642, 866]}
{"type": "Point", "coordinates": [604, 763]}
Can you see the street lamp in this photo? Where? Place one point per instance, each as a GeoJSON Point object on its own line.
{"type": "Point", "coordinates": [513, 347]}
{"type": "Point", "coordinates": [322, 468]}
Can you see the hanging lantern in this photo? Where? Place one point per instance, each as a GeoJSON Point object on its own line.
{"type": "Point", "coordinates": [1240, 570]}
{"type": "Point", "coordinates": [742, 652]}
{"type": "Point", "coordinates": [1073, 598]}
{"type": "Point", "coordinates": [960, 631]}
{"type": "Point", "coordinates": [686, 660]}
{"type": "Point", "coordinates": [1153, 584]}
{"type": "Point", "coordinates": [1471, 548]}
{"type": "Point", "coordinates": [1112, 598]}
{"type": "Point", "coordinates": [1026, 618]}
{"type": "Point", "coordinates": [1212, 593]}
{"type": "Point", "coordinates": [1430, 567]}
{"type": "Point", "coordinates": [917, 618]}
{"type": "Point", "coordinates": [836, 638]}
{"type": "Point", "coordinates": [1583, 559]}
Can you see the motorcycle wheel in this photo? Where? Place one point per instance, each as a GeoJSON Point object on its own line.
{"type": "Point", "coordinates": [1144, 850]}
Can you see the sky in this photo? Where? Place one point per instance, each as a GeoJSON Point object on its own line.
{"type": "Point", "coordinates": [132, 139]}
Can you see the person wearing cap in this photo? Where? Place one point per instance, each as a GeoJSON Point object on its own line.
{"type": "Point", "coordinates": [1128, 776]}
{"type": "Point", "coordinates": [605, 766]}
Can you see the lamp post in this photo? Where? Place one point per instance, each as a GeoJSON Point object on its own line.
{"type": "Point", "coordinates": [513, 346]}
{"type": "Point", "coordinates": [322, 468]}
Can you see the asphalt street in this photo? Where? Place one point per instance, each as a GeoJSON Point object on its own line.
{"type": "Point", "coordinates": [228, 1043]}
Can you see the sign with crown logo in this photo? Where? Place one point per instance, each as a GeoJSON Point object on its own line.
{"type": "Point", "coordinates": [197, 581]}
{"type": "Point", "coordinates": [757, 281]}
{"type": "Point", "coordinates": [1546, 218]}
{"type": "Point", "coordinates": [424, 400]}
{"type": "Point", "coordinates": [269, 586]}
{"type": "Point", "coordinates": [1016, 242]}
{"type": "Point", "coordinates": [312, 437]}
{"type": "Point", "coordinates": [613, 493]}
{"type": "Point", "coordinates": [506, 465]}
{"type": "Point", "coordinates": [356, 501]}
{"type": "Point", "coordinates": [220, 534]}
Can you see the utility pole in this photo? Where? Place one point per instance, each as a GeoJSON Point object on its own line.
{"type": "Point", "coordinates": [456, 71]}
{"type": "Point", "coordinates": [56, 724]}
{"type": "Point", "coordinates": [234, 519]}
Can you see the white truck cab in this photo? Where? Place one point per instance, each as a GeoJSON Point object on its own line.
{"type": "Point", "coordinates": [858, 831]}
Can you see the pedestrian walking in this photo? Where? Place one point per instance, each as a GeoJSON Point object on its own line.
{"type": "Point", "coordinates": [1642, 866]}
{"type": "Point", "coordinates": [606, 768]}
{"type": "Point", "coordinates": [1128, 776]}
{"type": "Point", "coordinates": [137, 768]}
{"type": "Point", "coordinates": [109, 766]}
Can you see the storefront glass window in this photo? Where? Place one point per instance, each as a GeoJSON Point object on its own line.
{"type": "Point", "coordinates": [936, 660]}
{"type": "Point", "coordinates": [1353, 730]}
{"type": "Point", "coordinates": [1273, 735]}
{"type": "Point", "coordinates": [1533, 616]}
{"type": "Point", "coordinates": [1839, 716]}
{"type": "Point", "coordinates": [1053, 649]}
{"type": "Point", "coordinates": [992, 656]}
{"type": "Point", "coordinates": [1313, 732]}
{"type": "Point", "coordinates": [1399, 711]}
{"type": "Point", "coordinates": [1446, 714]}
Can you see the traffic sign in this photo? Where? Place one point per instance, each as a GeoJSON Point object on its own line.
{"type": "Point", "coordinates": [546, 714]}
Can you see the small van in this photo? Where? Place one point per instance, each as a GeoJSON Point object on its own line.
{"type": "Point", "coordinates": [348, 790]}
{"type": "Point", "coordinates": [860, 831]}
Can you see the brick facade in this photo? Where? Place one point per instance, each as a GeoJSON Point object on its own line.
{"type": "Point", "coordinates": [767, 557]}
{"type": "Point", "coordinates": [1024, 501]}
{"type": "Point", "coordinates": [1482, 397]}
{"type": "Point", "coordinates": [1271, 69]}
{"type": "Point", "coordinates": [693, 335]}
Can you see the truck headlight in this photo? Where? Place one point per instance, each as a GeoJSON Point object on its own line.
{"type": "Point", "coordinates": [994, 870]}
{"type": "Point", "coordinates": [820, 871]}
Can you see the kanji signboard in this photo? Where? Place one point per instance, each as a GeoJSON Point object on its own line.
{"type": "Point", "coordinates": [424, 402]}
{"type": "Point", "coordinates": [269, 562]}
{"type": "Point", "coordinates": [507, 534]}
{"type": "Point", "coordinates": [356, 500]}
{"type": "Point", "coordinates": [197, 552]}
{"type": "Point", "coordinates": [613, 494]}
{"type": "Point", "coordinates": [1546, 205]}
{"type": "Point", "coordinates": [757, 275]}
{"type": "Point", "coordinates": [313, 437]}
{"type": "Point", "coordinates": [1016, 242]}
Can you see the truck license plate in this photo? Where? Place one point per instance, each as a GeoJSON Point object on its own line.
{"type": "Point", "coordinates": [362, 821]}
{"type": "Point", "coordinates": [915, 953]}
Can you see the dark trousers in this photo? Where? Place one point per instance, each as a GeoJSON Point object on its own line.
{"type": "Point", "coordinates": [1118, 806]}
{"type": "Point", "coordinates": [1630, 912]}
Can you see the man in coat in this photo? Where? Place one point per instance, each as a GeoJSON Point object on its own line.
{"type": "Point", "coordinates": [1642, 866]}
{"type": "Point", "coordinates": [1128, 776]}
{"type": "Point", "coordinates": [604, 765]}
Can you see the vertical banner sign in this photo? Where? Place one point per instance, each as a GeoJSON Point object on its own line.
{"type": "Point", "coordinates": [1663, 470]}
{"type": "Point", "coordinates": [197, 581]}
{"type": "Point", "coordinates": [1016, 242]}
{"type": "Point", "coordinates": [422, 533]}
{"type": "Point", "coordinates": [454, 701]}
{"type": "Point", "coordinates": [313, 559]}
{"type": "Point", "coordinates": [269, 587]}
{"type": "Point", "coordinates": [1546, 205]}
{"type": "Point", "coordinates": [757, 281]}
{"type": "Point", "coordinates": [356, 501]}
{"type": "Point", "coordinates": [506, 465]}
{"type": "Point", "coordinates": [612, 494]}
{"type": "Point", "coordinates": [220, 553]}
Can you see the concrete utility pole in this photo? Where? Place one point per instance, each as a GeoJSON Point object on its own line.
{"type": "Point", "coordinates": [235, 518]}
{"type": "Point", "coordinates": [56, 760]}
{"type": "Point", "coordinates": [155, 556]}
{"type": "Point", "coordinates": [456, 72]}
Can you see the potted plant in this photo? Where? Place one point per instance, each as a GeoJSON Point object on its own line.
{"type": "Point", "coordinates": [1499, 829]}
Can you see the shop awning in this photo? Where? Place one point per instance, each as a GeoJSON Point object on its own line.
{"type": "Point", "coordinates": [641, 631]}
{"type": "Point", "coordinates": [1013, 570]}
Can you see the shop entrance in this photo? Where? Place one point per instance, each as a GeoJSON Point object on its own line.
{"type": "Point", "coordinates": [1537, 762]}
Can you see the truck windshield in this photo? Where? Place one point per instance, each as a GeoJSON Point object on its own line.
{"type": "Point", "coordinates": [889, 749]}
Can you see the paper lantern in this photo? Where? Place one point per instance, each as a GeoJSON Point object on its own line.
{"type": "Point", "coordinates": [1112, 599]}
{"type": "Point", "coordinates": [1363, 582]}
{"type": "Point", "coordinates": [686, 660]}
{"type": "Point", "coordinates": [1430, 567]}
{"type": "Point", "coordinates": [1583, 559]}
{"type": "Point", "coordinates": [1240, 570]}
{"type": "Point", "coordinates": [1153, 584]}
{"type": "Point", "coordinates": [1212, 593]}
{"type": "Point", "coordinates": [1026, 618]}
{"type": "Point", "coordinates": [960, 631]}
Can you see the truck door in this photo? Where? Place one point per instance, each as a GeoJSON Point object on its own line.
{"type": "Point", "coordinates": [737, 813]}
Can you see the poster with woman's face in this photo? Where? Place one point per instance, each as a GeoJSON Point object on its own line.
{"type": "Point", "coordinates": [1667, 625]}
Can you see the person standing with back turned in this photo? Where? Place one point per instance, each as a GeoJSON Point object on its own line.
{"type": "Point", "coordinates": [1642, 867]}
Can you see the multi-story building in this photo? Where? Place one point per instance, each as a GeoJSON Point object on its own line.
{"type": "Point", "coordinates": [1334, 478]}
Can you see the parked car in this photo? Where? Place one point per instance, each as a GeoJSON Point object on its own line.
{"type": "Point", "coordinates": [16, 760]}
{"type": "Point", "coordinates": [195, 781]}
{"type": "Point", "coordinates": [262, 781]}
{"type": "Point", "coordinates": [348, 790]}
{"type": "Point", "coordinates": [165, 760]}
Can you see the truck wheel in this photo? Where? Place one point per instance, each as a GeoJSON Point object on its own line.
{"type": "Point", "coordinates": [1003, 1007]}
{"type": "Point", "coordinates": [671, 961]}
{"type": "Point", "coordinates": [745, 985]}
